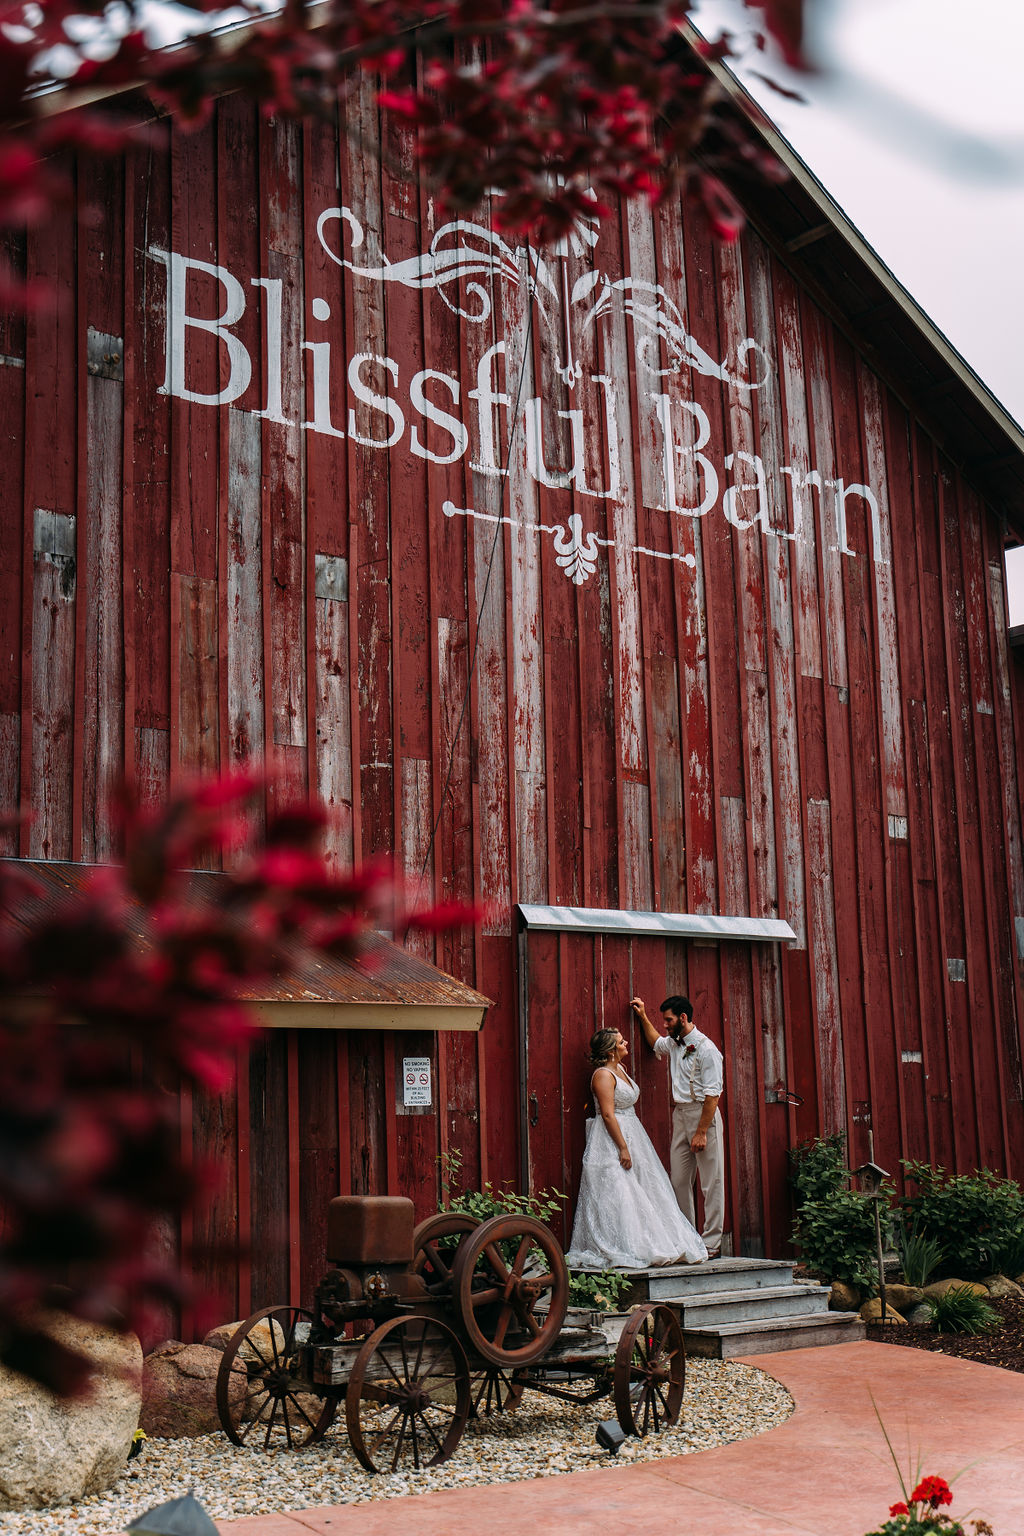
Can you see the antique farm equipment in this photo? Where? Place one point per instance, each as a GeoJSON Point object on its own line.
{"type": "Point", "coordinates": [416, 1329]}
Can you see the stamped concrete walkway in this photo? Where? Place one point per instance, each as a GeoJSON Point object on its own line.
{"type": "Point", "coordinates": [825, 1472]}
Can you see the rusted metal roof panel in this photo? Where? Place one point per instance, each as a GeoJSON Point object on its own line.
{"type": "Point", "coordinates": [384, 988]}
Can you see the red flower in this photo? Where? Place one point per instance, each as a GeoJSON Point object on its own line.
{"type": "Point", "coordinates": [932, 1490]}
{"type": "Point", "coordinates": [898, 1509]}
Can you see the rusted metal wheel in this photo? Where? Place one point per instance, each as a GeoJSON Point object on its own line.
{"type": "Point", "coordinates": [511, 1289]}
{"type": "Point", "coordinates": [496, 1391]}
{"type": "Point", "coordinates": [650, 1371]}
{"type": "Point", "coordinates": [434, 1246]}
{"type": "Point", "coordinates": [408, 1397]}
{"type": "Point", "coordinates": [277, 1409]}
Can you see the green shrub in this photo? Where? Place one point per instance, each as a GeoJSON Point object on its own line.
{"type": "Point", "coordinates": [835, 1226]}
{"type": "Point", "coordinates": [962, 1311]}
{"type": "Point", "coordinates": [836, 1238]}
{"type": "Point", "coordinates": [818, 1168]}
{"type": "Point", "coordinates": [600, 1291]}
{"type": "Point", "coordinates": [490, 1201]}
{"type": "Point", "coordinates": [920, 1255]}
{"type": "Point", "coordinates": [977, 1218]}
{"type": "Point", "coordinates": [1010, 1257]}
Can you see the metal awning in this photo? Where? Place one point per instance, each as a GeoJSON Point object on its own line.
{"type": "Point", "coordinates": [385, 988]}
{"type": "Point", "coordinates": [668, 925]}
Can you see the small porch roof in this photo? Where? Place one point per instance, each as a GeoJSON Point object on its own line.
{"type": "Point", "coordinates": [385, 988]}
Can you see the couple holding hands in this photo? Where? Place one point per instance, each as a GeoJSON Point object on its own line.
{"type": "Point", "coordinates": [629, 1215]}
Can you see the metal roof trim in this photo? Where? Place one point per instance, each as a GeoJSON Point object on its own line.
{"type": "Point", "coordinates": [677, 925]}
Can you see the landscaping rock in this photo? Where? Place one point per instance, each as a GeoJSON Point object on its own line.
{"type": "Point", "coordinates": [871, 1312]}
{"type": "Point", "coordinates": [940, 1287]}
{"type": "Point", "coordinates": [179, 1391]}
{"type": "Point", "coordinates": [903, 1297]}
{"type": "Point", "coordinates": [220, 1337]}
{"type": "Point", "coordinates": [999, 1286]}
{"type": "Point", "coordinates": [257, 1345]}
{"type": "Point", "coordinates": [843, 1297]}
{"type": "Point", "coordinates": [54, 1451]}
{"type": "Point", "coordinates": [920, 1316]}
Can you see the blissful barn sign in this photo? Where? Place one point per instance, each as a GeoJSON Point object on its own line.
{"type": "Point", "coordinates": [428, 412]}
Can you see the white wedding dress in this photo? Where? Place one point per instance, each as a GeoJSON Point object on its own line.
{"type": "Point", "coordinates": [628, 1218]}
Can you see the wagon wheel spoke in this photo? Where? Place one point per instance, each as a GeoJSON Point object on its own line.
{"type": "Point", "coordinates": [522, 1254]}
{"type": "Point", "coordinates": [437, 1263]}
{"type": "Point", "coordinates": [525, 1315]}
{"type": "Point", "coordinates": [486, 1298]}
{"type": "Point", "coordinates": [401, 1437]}
{"type": "Point", "coordinates": [649, 1373]}
{"type": "Point", "coordinates": [297, 1406]}
{"type": "Point", "coordinates": [499, 1319]}
{"type": "Point", "coordinates": [427, 1385]}
{"type": "Point", "coordinates": [270, 1425]}
{"type": "Point", "coordinates": [260, 1385]}
{"type": "Point", "coordinates": [501, 1326]}
{"type": "Point", "coordinates": [430, 1430]}
{"type": "Point", "coordinates": [496, 1260]}
{"type": "Point", "coordinates": [384, 1433]}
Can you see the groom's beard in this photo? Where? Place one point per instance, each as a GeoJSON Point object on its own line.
{"type": "Point", "coordinates": [676, 1032]}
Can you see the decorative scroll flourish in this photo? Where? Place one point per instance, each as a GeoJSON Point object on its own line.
{"type": "Point", "coordinates": [576, 552]}
{"type": "Point", "coordinates": [464, 260]}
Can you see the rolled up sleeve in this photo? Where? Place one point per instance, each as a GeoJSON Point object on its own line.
{"type": "Point", "coordinates": [709, 1059]}
{"type": "Point", "coordinates": [662, 1046]}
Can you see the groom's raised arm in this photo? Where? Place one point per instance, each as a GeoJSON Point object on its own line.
{"type": "Point", "coordinates": [651, 1033]}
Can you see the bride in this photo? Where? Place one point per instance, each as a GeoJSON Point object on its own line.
{"type": "Point", "coordinates": [626, 1216]}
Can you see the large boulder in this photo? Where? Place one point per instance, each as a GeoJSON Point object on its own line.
{"type": "Point", "coordinates": [903, 1297]}
{"type": "Point", "coordinates": [999, 1286]}
{"type": "Point", "coordinates": [871, 1312]}
{"type": "Point", "coordinates": [920, 1316]}
{"type": "Point", "coordinates": [940, 1287]}
{"type": "Point", "coordinates": [55, 1450]}
{"type": "Point", "coordinates": [843, 1297]}
{"type": "Point", "coordinates": [259, 1343]}
{"type": "Point", "coordinates": [179, 1389]}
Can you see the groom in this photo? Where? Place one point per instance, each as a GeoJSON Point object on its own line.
{"type": "Point", "coordinates": [697, 1140]}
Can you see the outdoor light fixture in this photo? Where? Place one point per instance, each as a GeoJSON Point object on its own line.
{"type": "Point", "coordinates": [179, 1517]}
{"type": "Point", "coordinates": [610, 1435]}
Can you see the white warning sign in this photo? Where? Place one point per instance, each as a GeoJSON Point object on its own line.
{"type": "Point", "coordinates": [415, 1081]}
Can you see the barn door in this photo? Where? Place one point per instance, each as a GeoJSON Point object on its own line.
{"type": "Point", "coordinates": [571, 985]}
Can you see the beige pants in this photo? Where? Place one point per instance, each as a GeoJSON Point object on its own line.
{"type": "Point", "coordinates": [709, 1163]}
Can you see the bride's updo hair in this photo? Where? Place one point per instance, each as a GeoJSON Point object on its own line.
{"type": "Point", "coordinates": [602, 1047]}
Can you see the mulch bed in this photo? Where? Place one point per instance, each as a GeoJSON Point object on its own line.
{"type": "Point", "coordinates": [1003, 1346]}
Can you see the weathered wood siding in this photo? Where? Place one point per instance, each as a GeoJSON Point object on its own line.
{"type": "Point", "coordinates": [728, 636]}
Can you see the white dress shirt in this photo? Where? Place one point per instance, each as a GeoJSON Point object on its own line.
{"type": "Point", "coordinates": [695, 1064]}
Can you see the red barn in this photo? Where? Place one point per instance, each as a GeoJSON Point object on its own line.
{"type": "Point", "coordinates": [648, 590]}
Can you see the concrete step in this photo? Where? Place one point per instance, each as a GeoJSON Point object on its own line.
{"type": "Point", "coordinates": [714, 1308]}
{"type": "Point", "coordinates": [681, 1280]}
{"type": "Point", "coordinates": [730, 1341]}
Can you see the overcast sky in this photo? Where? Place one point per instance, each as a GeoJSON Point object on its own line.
{"type": "Point", "coordinates": [916, 128]}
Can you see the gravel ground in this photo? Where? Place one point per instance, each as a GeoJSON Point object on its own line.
{"type": "Point", "coordinates": [724, 1401]}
